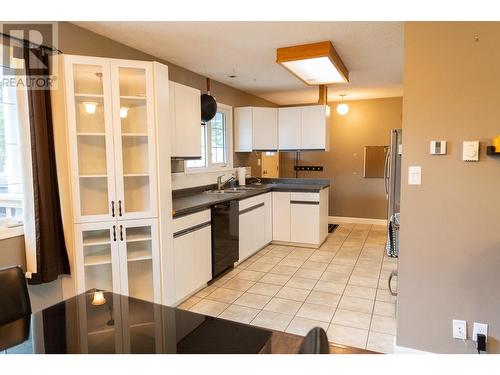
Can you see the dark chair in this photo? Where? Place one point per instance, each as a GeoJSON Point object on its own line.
{"type": "Point", "coordinates": [14, 297]}
{"type": "Point", "coordinates": [315, 342]}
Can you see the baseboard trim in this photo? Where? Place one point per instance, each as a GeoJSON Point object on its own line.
{"type": "Point", "coordinates": [404, 350]}
{"type": "Point", "coordinates": [355, 220]}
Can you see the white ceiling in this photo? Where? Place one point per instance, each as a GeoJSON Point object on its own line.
{"type": "Point", "coordinates": [372, 52]}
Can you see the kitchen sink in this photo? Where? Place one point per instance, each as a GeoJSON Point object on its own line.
{"type": "Point", "coordinates": [226, 191]}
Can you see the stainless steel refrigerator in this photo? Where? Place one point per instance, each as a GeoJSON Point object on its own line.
{"type": "Point", "coordinates": [392, 173]}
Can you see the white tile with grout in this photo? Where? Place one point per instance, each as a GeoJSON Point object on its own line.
{"type": "Point", "coordinates": [341, 287]}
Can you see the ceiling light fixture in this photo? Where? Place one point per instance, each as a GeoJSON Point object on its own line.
{"type": "Point", "coordinates": [314, 64]}
{"type": "Point", "coordinates": [342, 108]}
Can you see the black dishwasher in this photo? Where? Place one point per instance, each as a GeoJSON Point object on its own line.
{"type": "Point", "coordinates": [225, 233]}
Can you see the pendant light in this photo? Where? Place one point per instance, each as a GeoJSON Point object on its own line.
{"type": "Point", "coordinates": [342, 108]}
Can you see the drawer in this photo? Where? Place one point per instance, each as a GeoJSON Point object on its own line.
{"type": "Point", "coordinates": [188, 221]}
{"type": "Point", "coordinates": [252, 201]}
{"type": "Point", "coordinates": [304, 197]}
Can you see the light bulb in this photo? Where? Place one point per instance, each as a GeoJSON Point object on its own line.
{"type": "Point", "coordinates": [342, 109]}
{"type": "Point", "coordinates": [98, 298]}
{"type": "Point", "coordinates": [90, 107]}
{"type": "Point", "coordinates": [123, 112]}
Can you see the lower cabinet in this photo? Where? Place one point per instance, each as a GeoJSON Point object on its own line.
{"type": "Point", "coordinates": [192, 253]}
{"type": "Point", "coordinates": [300, 217]}
{"type": "Point", "coordinates": [120, 257]}
{"type": "Point", "coordinates": [255, 224]}
{"type": "Point", "coordinates": [281, 216]}
{"type": "Point", "coordinates": [304, 218]}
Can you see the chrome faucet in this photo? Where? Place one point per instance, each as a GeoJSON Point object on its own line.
{"type": "Point", "coordinates": [220, 184]}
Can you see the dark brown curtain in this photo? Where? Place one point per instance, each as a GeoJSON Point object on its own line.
{"type": "Point", "coordinates": [51, 254]}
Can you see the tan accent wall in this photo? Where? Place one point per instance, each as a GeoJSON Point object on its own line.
{"type": "Point", "coordinates": [368, 123]}
{"type": "Point", "coordinates": [449, 265]}
{"type": "Point", "coordinates": [76, 40]}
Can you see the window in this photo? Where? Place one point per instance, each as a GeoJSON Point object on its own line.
{"type": "Point", "coordinates": [216, 143]}
{"type": "Point", "coordinates": [11, 188]}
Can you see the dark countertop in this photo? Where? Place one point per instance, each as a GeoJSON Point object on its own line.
{"type": "Point", "coordinates": [189, 201]}
{"type": "Point", "coordinates": [125, 325]}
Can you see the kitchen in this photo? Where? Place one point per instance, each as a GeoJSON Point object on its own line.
{"type": "Point", "coordinates": [161, 223]}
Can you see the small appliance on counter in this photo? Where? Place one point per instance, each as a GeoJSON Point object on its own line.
{"type": "Point", "coordinates": [225, 236]}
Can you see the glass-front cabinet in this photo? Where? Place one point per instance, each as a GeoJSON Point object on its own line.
{"type": "Point", "coordinates": [134, 139]}
{"type": "Point", "coordinates": [120, 257]}
{"type": "Point", "coordinates": [139, 267]}
{"type": "Point", "coordinates": [111, 134]}
{"type": "Point", "coordinates": [91, 138]}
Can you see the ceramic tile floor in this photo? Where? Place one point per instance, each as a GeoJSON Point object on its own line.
{"type": "Point", "coordinates": [341, 287]}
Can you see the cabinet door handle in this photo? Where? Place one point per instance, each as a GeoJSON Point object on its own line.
{"type": "Point", "coordinates": [113, 208]}
{"type": "Point", "coordinates": [114, 233]}
{"type": "Point", "coordinates": [120, 208]}
{"type": "Point", "coordinates": [121, 232]}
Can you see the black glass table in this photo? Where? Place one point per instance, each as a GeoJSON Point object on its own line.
{"type": "Point", "coordinates": [110, 323]}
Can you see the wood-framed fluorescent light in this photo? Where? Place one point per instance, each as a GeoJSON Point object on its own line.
{"type": "Point", "coordinates": [314, 64]}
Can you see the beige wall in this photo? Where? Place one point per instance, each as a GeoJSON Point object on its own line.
{"type": "Point", "coordinates": [449, 266]}
{"type": "Point", "coordinates": [368, 123]}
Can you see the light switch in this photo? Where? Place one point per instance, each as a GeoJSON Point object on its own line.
{"type": "Point", "coordinates": [415, 175]}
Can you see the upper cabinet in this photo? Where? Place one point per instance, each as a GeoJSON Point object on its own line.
{"type": "Point", "coordinates": [112, 138]}
{"type": "Point", "coordinates": [185, 121]}
{"type": "Point", "coordinates": [288, 128]}
{"type": "Point", "coordinates": [265, 129]}
{"type": "Point", "coordinates": [256, 129]}
{"type": "Point", "coordinates": [304, 128]}
{"type": "Point", "coordinates": [315, 129]}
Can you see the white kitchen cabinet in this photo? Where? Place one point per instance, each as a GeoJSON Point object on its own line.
{"type": "Point", "coordinates": [256, 129]}
{"type": "Point", "coordinates": [304, 128]}
{"type": "Point", "coordinates": [255, 224]}
{"type": "Point", "coordinates": [265, 129]}
{"type": "Point", "coordinates": [289, 125]}
{"type": "Point", "coordinates": [304, 218]}
{"type": "Point", "coordinates": [315, 128]}
{"type": "Point", "coordinates": [300, 218]}
{"type": "Point", "coordinates": [119, 256]}
{"type": "Point", "coordinates": [192, 253]}
{"type": "Point", "coordinates": [243, 129]}
{"type": "Point", "coordinates": [185, 121]}
{"type": "Point", "coordinates": [110, 106]}
{"type": "Point", "coordinates": [281, 216]}
{"type": "Point", "coordinates": [109, 119]}
{"type": "Point", "coordinates": [252, 231]}
{"type": "Point", "coordinates": [139, 259]}
{"type": "Point", "coordinates": [268, 207]}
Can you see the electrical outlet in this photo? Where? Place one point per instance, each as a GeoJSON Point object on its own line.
{"type": "Point", "coordinates": [479, 328]}
{"type": "Point", "coordinates": [459, 329]}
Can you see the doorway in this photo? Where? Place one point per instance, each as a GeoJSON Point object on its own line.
{"type": "Point", "coordinates": [270, 165]}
